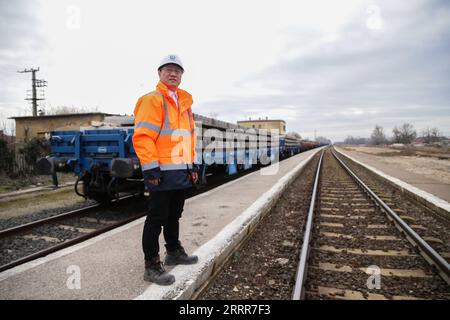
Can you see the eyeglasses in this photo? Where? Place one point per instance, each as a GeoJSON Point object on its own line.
{"type": "Point", "coordinates": [171, 70]}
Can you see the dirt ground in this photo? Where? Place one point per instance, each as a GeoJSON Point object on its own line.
{"type": "Point", "coordinates": [265, 266]}
{"type": "Point", "coordinates": [37, 202]}
{"type": "Point", "coordinates": [8, 184]}
{"type": "Point", "coordinates": [431, 162]}
{"type": "Point", "coordinates": [428, 151]}
{"type": "Point", "coordinates": [31, 203]}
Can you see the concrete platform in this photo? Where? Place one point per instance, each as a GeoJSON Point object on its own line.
{"type": "Point", "coordinates": [110, 266]}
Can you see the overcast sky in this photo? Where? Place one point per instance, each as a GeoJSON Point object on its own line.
{"type": "Point", "coordinates": [337, 67]}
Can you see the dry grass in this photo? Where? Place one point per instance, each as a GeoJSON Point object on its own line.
{"type": "Point", "coordinates": [430, 167]}
{"type": "Point", "coordinates": [34, 202]}
{"type": "Point", "coordinates": [437, 152]}
{"type": "Point", "coordinates": [431, 162]}
{"type": "Point", "coordinates": [9, 184]}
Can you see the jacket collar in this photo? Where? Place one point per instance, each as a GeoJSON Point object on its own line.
{"type": "Point", "coordinates": [184, 97]}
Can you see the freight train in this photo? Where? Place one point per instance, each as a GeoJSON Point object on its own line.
{"type": "Point", "coordinates": [105, 163]}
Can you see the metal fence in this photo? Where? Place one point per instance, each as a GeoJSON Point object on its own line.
{"type": "Point", "coordinates": [14, 162]}
{"type": "Point", "coordinates": [20, 164]}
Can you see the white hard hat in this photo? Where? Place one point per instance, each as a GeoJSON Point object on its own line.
{"type": "Point", "coordinates": [171, 59]}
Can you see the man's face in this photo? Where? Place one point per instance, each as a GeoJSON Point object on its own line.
{"type": "Point", "coordinates": [171, 75]}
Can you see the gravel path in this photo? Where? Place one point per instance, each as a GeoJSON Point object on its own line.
{"type": "Point", "coordinates": [43, 207]}
{"type": "Point", "coordinates": [46, 236]}
{"type": "Point", "coordinates": [346, 228]}
{"type": "Point", "coordinates": [265, 266]}
{"type": "Point", "coordinates": [352, 238]}
{"type": "Point", "coordinates": [434, 229]}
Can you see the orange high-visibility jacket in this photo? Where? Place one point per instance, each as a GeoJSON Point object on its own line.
{"type": "Point", "coordinates": [164, 136]}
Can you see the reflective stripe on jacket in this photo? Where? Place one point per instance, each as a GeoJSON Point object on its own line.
{"type": "Point", "coordinates": [164, 135]}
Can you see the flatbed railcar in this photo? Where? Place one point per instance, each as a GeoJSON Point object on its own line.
{"type": "Point", "coordinates": [105, 162]}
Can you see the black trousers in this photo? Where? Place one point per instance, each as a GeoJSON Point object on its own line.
{"type": "Point", "coordinates": [164, 211]}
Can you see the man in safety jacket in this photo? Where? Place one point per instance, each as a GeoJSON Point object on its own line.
{"type": "Point", "coordinates": [164, 140]}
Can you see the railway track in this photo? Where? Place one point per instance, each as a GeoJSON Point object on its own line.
{"type": "Point", "coordinates": [27, 242]}
{"type": "Point", "coordinates": [39, 238]}
{"type": "Point", "coordinates": [17, 194]}
{"type": "Point", "coordinates": [350, 246]}
{"type": "Point", "coordinates": [355, 246]}
{"type": "Point", "coordinates": [432, 226]}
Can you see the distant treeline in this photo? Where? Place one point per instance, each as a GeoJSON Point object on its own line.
{"type": "Point", "coordinates": [404, 134]}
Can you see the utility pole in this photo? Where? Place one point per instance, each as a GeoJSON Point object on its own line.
{"type": "Point", "coordinates": [315, 135]}
{"type": "Point", "coordinates": [35, 83]}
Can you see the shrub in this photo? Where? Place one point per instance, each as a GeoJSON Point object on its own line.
{"type": "Point", "coordinates": [6, 157]}
{"type": "Point", "coordinates": [34, 149]}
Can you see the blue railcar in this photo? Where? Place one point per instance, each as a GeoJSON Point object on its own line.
{"type": "Point", "coordinates": [95, 156]}
{"type": "Point", "coordinates": [83, 149]}
{"type": "Point", "coordinates": [105, 161]}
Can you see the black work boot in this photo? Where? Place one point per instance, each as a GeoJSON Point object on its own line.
{"type": "Point", "coordinates": [155, 272]}
{"type": "Point", "coordinates": [179, 256]}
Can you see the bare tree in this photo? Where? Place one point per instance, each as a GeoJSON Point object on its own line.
{"type": "Point", "coordinates": [426, 135]}
{"type": "Point", "coordinates": [408, 133]}
{"type": "Point", "coordinates": [323, 140]}
{"type": "Point", "coordinates": [431, 135]}
{"type": "Point", "coordinates": [213, 115]}
{"type": "Point", "coordinates": [69, 109]}
{"type": "Point", "coordinates": [355, 140]}
{"type": "Point", "coordinates": [396, 136]}
{"type": "Point", "coordinates": [405, 134]}
{"type": "Point", "coordinates": [7, 125]}
{"type": "Point", "coordinates": [294, 135]}
{"type": "Point", "coordinates": [378, 137]}
{"type": "Point", "coordinates": [435, 134]}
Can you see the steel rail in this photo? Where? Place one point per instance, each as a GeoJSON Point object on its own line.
{"type": "Point", "coordinates": [68, 243]}
{"type": "Point", "coordinates": [30, 225]}
{"type": "Point", "coordinates": [34, 191]}
{"type": "Point", "coordinates": [427, 251]}
{"type": "Point", "coordinates": [71, 242]}
{"type": "Point", "coordinates": [218, 267]}
{"type": "Point", "coordinates": [27, 226]}
{"type": "Point", "coordinates": [299, 291]}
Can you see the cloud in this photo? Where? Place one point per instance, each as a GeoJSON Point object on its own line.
{"type": "Point", "coordinates": [21, 43]}
{"type": "Point", "coordinates": [357, 76]}
{"type": "Point", "coordinates": [324, 66]}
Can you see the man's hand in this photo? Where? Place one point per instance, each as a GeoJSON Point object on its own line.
{"type": "Point", "coordinates": [194, 177]}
